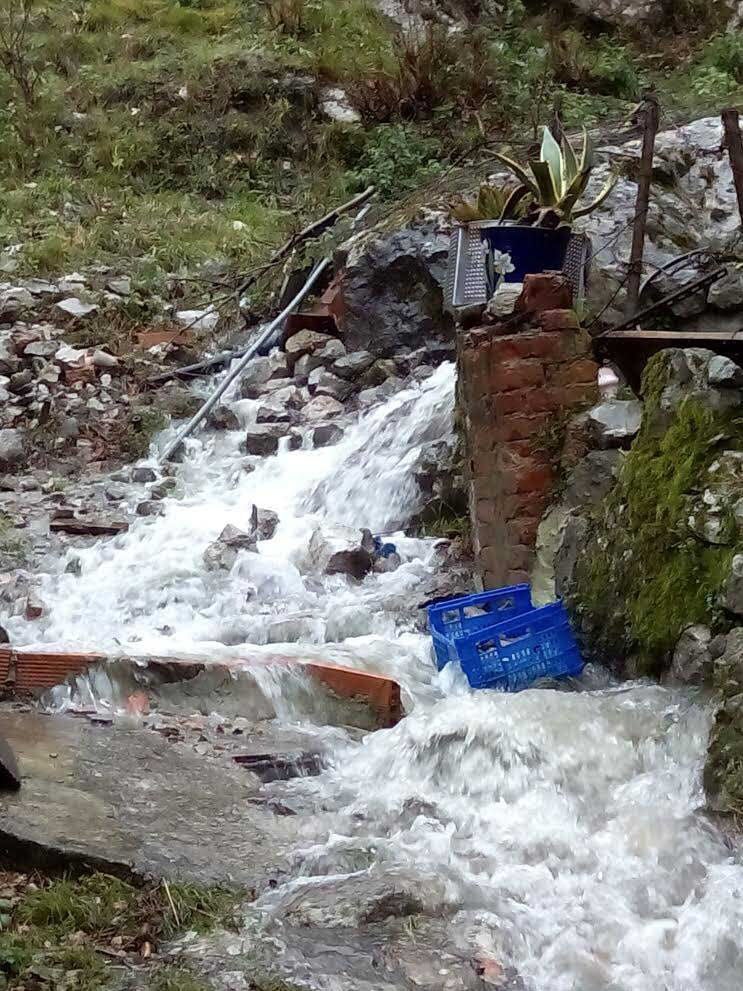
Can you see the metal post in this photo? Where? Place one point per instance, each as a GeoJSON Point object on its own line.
{"type": "Point", "coordinates": [734, 145]}
{"type": "Point", "coordinates": [649, 117]}
{"type": "Point", "coordinates": [240, 367]}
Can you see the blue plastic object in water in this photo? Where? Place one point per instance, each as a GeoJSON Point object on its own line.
{"type": "Point", "coordinates": [507, 649]}
{"type": "Point", "coordinates": [457, 617]}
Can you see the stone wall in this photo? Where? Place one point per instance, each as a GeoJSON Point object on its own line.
{"type": "Point", "coordinates": [519, 382]}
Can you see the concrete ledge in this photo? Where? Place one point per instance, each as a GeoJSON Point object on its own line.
{"type": "Point", "coordinates": [375, 699]}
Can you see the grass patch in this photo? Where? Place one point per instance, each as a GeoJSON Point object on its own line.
{"type": "Point", "coordinates": [143, 424]}
{"type": "Point", "coordinates": [13, 545]}
{"type": "Point", "coordinates": [644, 576]}
{"type": "Point", "coordinates": [54, 935]}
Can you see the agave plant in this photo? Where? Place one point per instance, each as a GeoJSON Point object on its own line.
{"type": "Point", "coordinates": [556, 183]}
{"type": "Point", "coordinates": [493, 202]}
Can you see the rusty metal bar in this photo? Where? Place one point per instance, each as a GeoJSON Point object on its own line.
{"type": "Point", "coordinates": [734, 145]}
{"type": "Point", "coordinates": [649, 117]}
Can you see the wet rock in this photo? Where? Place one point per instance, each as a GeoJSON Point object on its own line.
{"type": "Point", "coordinates": [142, 475]}
{"type": "Point", "coordinates": [74, 567]}
{"type": "Point", "coordinates": [322, 408]}
{"type": "Point", "coordinates": [265, 523]}
{"type": "Point", "coordinates": [34, 608]}
{"type": "Point", "coordinates": [723, 774]}
{"type": "Point", "coordinates": [265, 439]}
{"type": "Point", "coordinates": [326, 434]}
{"type": "Point", "coordinates": [306, 365]}
{"type": "Point", "coordinates": [341, 551]}
{"type": "Point", "coordinates": [164, 488]}
{"type": "Point", "coordinates": [12, 448]}
{"type": "Point", "coordinates": [76, 308]}
{"type": "Point", "coordinates": [324, 383]}
{"type": "Point", "coordinates": [10, 776]}
{"type": "Point", "coordinates": [615, 423]}
{"type": "Point", "coordinates": [392, 290]}
{"type": "Point", "coordinates": [222, 418]}
{"type": "Point", "coordinates": [692, 662]}
{"type": "Point", "coordinates": [275, 411]}
{"type": "Point", "coordinates": [4, 638]}
{"type": "Point", "coordinates": [368, 397]}
{"type": "Point", "coordinates": [732, 596]}
{"type": "Point", "coordinates": [262, 370]}
{"type": "Point", "coordinates": [64, 522]}
{"type": "Point", "coordinates": [305, 342]}
{"type": "Point", "coordinates": [378, 373]}
{"type": "Point", "coordinates": [384, 565]}
{"type": "Point", "coordinates": [351, 366]}
{"type": "Point", "coordinates": [150, 507]}
{"type": "Point", "coordinates": [222, 554]}
{"type": "Point", "coordinates": [727, 293]}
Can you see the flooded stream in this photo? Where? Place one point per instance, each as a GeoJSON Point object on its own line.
{"type": "Point", "coordinates": [556, 831]}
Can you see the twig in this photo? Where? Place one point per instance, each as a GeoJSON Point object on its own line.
{"type": "Point", "coordinates": [173, 909]}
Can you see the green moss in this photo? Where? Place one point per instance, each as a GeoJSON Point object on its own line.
{"type": "Point", "coordinates": [644, 575]}
{"type": "Point", "coordinates": [144, 422]}
{"type": "Point", "coordinates": [176, 979]}
{"type": "Point", "coordinates": [13, 545]}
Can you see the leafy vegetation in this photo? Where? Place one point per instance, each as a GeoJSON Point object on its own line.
{"type": "Point", "coordinates": [59, 934]}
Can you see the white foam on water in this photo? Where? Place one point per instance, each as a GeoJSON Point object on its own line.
{"type": "Point", "coordinates": [565, 826]}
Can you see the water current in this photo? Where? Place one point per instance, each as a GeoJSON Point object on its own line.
{"type": "Point", "coordinates": [560, 831]}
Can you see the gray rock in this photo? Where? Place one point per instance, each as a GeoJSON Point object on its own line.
{"type": "Point", "coordinates": [724, 372]}
{"type": "Point", "coordinates": [592, 479]}
{"type": "Point", "coordinates": [69, 428]}
{"type": "Point", "coordinates": [713, 515]}
{"type": "Point", "coordinates": [692, 662]}
{"type": "Point", "coordinates": [20, 380]}
{"type": "Point", "coordinates": [222, 554]}
{"type": "Point", "coordinates": [150, 507]}
{"type": "Point", "coordinates": [12, 448]}
{"type": "Point", "coordinates": [615, 423]}
{"type": "Point", "coordinates": [378, 373]}
{"type": "Point", "coordinates": [41, 349]}
{"type": "Point", "coordinates": [4, 638]}
{"type": "Point", "coordinates": [368, 397]}
{"type": "Point", "coordinates": [392, 290]}
{"type": "Point", "coordinates": [121, 286]}
{"type": "Point", "coordinates": [568, 552]}
{"type": "Point", "coordinates": [326, 434]}
{"type": "Point", "coordinates": [266, 523]}
{"type": "Point", "coordinates": [324, 383]}
{"type": "Point", "coordinates": [307, 364]}
{"type": "Point", "coordinates": [261, 371]}
{"type": "Point", "coordinates": [76, 308]}
{"type": "Point", "coordinates": [164, 488]}
{"type": "Point", "coordinates": [727, 294]}
{"type": "Point", "coordinates": [142, 475]}
{"type": "Point", "coordinates": [274, 411]}
{"type": "Point", "coordinates": [304, 342]}
{"type": "Point", "coordinates": [732, 597]}
{"type": "Point", "coordinates": [322, 408]}
{"type": "Point", "coordinates": [342, 550]}
{"type": "Point", "coordinates": [222, 418]}
{"type": "Point", "coordinates": [14, 301]}
{"type": "Point", "coordinates": [265, 438]}
{"type": "Point", "coordinates": [351, 366]}
{"type": "Point", "coordinates": [332, 351]}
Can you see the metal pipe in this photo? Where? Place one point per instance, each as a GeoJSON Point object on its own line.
{"type": "Point", "coordinates": [237, 371]}
{"type": "Point", "coordinates": [734, 144]}
{"type": "Point", "coordinates": [650, 119]}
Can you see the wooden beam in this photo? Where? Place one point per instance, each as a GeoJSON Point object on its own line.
{"type": "Point", "coordinates": [649, 116]}
{"type": "Point", "coordinates": [734, 145]}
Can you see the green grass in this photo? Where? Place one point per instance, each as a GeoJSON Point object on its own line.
{"type": "Point", "coordinates": [62, 925]}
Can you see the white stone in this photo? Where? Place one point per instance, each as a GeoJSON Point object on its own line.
{"type": "Point", "coordinates": [335, 104]}
{"type": "Point", "coordinates": [201, 320]}
{"type": "Point", "coordinates": [75, 307]}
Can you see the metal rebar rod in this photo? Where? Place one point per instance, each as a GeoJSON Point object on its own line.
{"type": "Point", "coordinates": [734, 145]}
{"type": "Point", "coordinates": [650, 118]}
{"type": "Point", "coordinates": [237, 371]}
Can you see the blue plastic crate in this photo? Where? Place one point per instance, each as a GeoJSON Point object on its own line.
{"type": "Point", "coordinates": [513, 654]}
{"type": "Point", "coordinates": [469, 614]}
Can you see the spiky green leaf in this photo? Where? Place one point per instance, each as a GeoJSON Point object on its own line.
{"type": "Point", "coordinates": [552, 155]}
{"type": "Point", "coordinates": [608, 186]}
{"type": "Point", "coordinates": [545, 184]}
{"type": "Point", "coordinates": [511, 209]}
{"type": "Point", "coordinates": [518, 170]}
{"type": "Point", "coordinates": [570, 162]}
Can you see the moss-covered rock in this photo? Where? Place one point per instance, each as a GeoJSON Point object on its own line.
{"type": "Point", "coordinates": [723, 773]}
{"type": "Point", "coordinates": [650, 569]}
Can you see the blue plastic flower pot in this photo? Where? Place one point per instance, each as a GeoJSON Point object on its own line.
{"type": "Point", "coordinates": [532, 249]}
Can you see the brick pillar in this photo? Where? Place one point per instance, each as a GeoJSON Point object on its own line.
{"type": "Point", "coordinates": [517, 388]}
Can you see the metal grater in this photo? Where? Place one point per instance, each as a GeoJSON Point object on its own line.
{"type": "Point", "coordinates": [466, 283]}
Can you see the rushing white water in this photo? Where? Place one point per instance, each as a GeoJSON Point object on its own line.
{"type": "Point", "coordinates": [561, 830]}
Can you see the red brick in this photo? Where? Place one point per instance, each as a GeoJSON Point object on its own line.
{"type": "Point", "coordinates": [528, 345]}
{"type": "Point", "coordinates": [539, 400]}
{"type": "Point", "coordinates": [521, 504]}
{"type": "Point", "coordinates": [488, 511]}
{"type": "Point", "coordinates": [522, 531]}
{"type": "Point", "coordinates": [579, 393]}
{"type": "Point", "coordinates": [521, 427]}
{"type": "Point", "coordinates": [516, 480]}
{"type": "Point", "coordinates": [556, 321]}
{"type": "Point", "coordinates": [580, 370]}
{"type": "Point", "coordinates": [521, 374]}
{"type": "Point", "coordinates": [546, 291]}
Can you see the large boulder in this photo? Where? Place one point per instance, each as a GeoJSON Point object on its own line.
{"type": "Point", "coordinates": [393, 290]}
{"type": "Point", "coordinates": [222, 553]}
